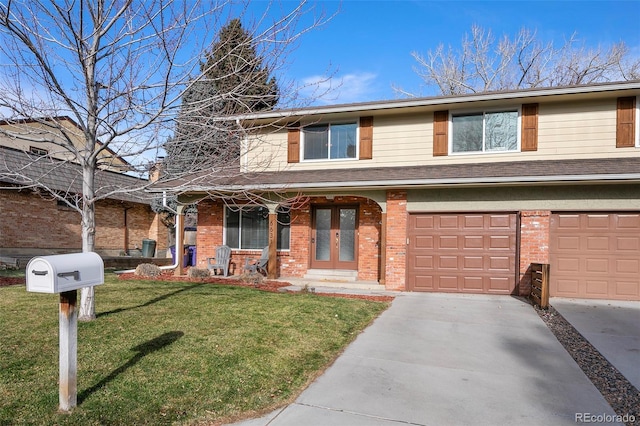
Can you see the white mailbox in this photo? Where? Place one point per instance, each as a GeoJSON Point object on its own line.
{"type": "Point", "coordinates": [64, 272]}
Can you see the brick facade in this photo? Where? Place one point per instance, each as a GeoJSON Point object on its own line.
{"type": "Point", "coordinates": [534, 239]}
{"type": "Point", "coordinates": [534, 245]}
{"type": "Point", "coordinates": [32, 225]}
{"type": "Point", "coordinates": [396, 260]}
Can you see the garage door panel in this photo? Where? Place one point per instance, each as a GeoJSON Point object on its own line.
{"type": "Point", "coordinates": [499, 285]}
{"type": "Point", "coordinates": [627, 266]}
{"type": "Point", "coordinates": [473, 242]}
{"type": "Point", "coordinates": [448, 282]}
{"type": "Point", "coordinates": [472, 284]}
{"type": "Point", "coordinates": [424, 262]}
{"type": "Point", "coordinates": [598, 244]}
{"type": "Point", "coordinates": [499, 264]}
{"type": "Point", "coordinates": [424, 242]}
{"type": "Point", "coordinates": [473, 222]}
{"type": "Point", "coordinates": [448, 222]}
{"type": "Point", "coordinates": [597, 288]}
{"type": "Point", "coordinates": [424, 222]}
{"type": "Point", "coordinates": [628, 243]}
{"type": "Point", "coordinates": [499, 242]}
{"type": "Point", "coordinates": [629, 289]}
{"type": "Point", "coordinates": [595, 255]}
{"type": "Point", "coordinates": [567, 264]}
{"type": "Point", "coordinates": [473, 263]}
{"type": "Point", "coordinates": [500, 222]}
{"type": "Point", "coordinates": [568, 221]}
{"type": "Point", "coordinates": [473, 253]}
{"type": "Point", "coordinates": [424, 282]}
{"type": "Point", "coordinates": [628, 221]}
{"type": "Point", "coordinates": [448, 242]}
{"type": "Point", "coordinates": [595, 266]}
{"type": "Point", "coordinates": [448, 262]}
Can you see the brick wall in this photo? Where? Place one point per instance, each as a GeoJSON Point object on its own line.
{"type": "Point", "coordinates": [396, 240]}
{"type": "Point", "coordinates": [32, 224]}
{"type": "Point", "coordinates": [534, 245]}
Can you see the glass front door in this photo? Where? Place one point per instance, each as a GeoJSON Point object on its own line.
{"type": "Point", "coordinates": [334, 238]}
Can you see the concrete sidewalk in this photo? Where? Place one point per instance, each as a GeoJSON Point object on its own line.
{"type": "Point", "coordinates": [434, 359]}
{"type": "Point", "coordinates": [611, 326]}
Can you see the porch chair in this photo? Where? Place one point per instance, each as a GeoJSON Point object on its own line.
{"type": "Point", "coordinates": [220, 261]}
{"type": "Point", "coordinates": [252, 264]}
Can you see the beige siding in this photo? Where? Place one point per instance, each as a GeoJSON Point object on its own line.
{"type": "Point", "coordinates": [584, 129]}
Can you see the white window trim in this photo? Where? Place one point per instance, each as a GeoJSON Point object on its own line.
{"type": "Point", "coordinates": [517, 109]}
{"type": "Point", "coordinates": [332, 160]}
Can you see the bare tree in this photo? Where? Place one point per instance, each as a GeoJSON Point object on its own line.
{"type": "Point", "coordinates": [118, 69]}
{"type": "Point", "coordinates": [486, 63]}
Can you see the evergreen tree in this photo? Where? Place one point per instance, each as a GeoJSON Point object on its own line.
{"type": "Point", "coordinates": [234, 81]}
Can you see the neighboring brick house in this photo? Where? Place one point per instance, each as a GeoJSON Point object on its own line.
{"type": "Point", "coordinates": [32, 222]}
{"type": "Point", "coordinates": [442, 194]}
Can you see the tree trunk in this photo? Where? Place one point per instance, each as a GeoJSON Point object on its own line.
{"type": "Point", "coordinates": [87, 304]}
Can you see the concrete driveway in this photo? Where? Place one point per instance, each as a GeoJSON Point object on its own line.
{"type": "Point", "coordinates": [434, 359]}
{"type": "Point", "coordinates": [611, 326]}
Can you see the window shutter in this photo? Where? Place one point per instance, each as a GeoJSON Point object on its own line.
{"type": "Point", "coordinates": [366, 138]}
{"type": "Point", "coordinates": [625, 122]}
{"type": "Point", "coordinates": [293, 146]}
{"type": "Point", "coordinates": [440, 133]}
{"type": "Point", "coordinates": [529, 138]}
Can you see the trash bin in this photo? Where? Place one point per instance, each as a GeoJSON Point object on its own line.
{"type": "Point", "coordinates": [192, 256]}
{"type": "Point", "coordinates": [148, 248]}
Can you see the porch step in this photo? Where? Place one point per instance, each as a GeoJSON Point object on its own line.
{"type": "Point", "coordinates": [347, 286]}
{"type": "Point", "coordinates": [336, 275]}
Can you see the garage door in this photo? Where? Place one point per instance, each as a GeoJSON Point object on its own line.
{"type": "Point", "coordinates": [463, 253]}
{"type": "Point", "coordinates": [595, 255]}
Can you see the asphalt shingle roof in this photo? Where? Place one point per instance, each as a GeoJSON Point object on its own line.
{"type": "Point", "coordinates": [25, 170]}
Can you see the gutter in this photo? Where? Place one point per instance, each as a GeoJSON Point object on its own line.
{"type": "Point", "coordinates": [559, 179]}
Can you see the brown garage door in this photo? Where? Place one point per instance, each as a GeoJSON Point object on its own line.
{"type": "Point", "coordinates": [466, 253]}
{"type": "Point", "coordinates": [595, 255]}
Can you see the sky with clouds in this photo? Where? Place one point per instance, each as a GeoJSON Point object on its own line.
{"type": "Point", "coordinates": [367, 45]}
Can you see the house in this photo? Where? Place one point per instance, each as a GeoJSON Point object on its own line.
{"type": "Point", "coordinates": [35, 223]}
{"type": "Point", "coordinates": [442, 194]}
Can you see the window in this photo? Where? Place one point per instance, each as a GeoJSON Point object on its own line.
{"type": "Point", "coordinates": [249, 228]}
{"type": "Point", "coordinates": [484, 132]}
{"type": "Point", "coordinates": [38, 151]}
{"type": "Point", "coordinates": [330, 141]}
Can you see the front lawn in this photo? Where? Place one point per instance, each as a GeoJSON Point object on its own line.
{"type": "Point", "coordinates": [164, 352]}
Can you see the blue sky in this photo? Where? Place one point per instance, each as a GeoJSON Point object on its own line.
{"type": "Point", "coordinates": [368, 44]}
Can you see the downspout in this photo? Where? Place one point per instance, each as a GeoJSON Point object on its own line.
{"type": "Point", "coordinates": [178, 224]}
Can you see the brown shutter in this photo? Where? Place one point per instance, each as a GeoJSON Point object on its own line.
{"type": "Point", "coordinates": [293, 148]}
{"type": "Point", "coordinates": [626, 122]}
{"type": "Point", "coordinates": [529, 138]}
{"type": "Point", "coordinates": [366, 138]}
{"type": "Point", "coordinates": [440, 133]}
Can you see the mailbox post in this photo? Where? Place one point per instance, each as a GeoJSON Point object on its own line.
{"type": "Point", "coordinates": [64, 274]}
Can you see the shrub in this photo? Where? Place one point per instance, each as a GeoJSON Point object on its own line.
{"type": "Point", "coordinates": [148, 270]}
{"type": "Point", "coordinates": [198, 273]}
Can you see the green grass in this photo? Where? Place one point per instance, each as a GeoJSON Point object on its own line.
{"type": "Point", "coordinates": [169, 352]}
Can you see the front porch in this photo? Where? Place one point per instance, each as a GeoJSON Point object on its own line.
{"type": "Point", "coordinates": [334, 241]}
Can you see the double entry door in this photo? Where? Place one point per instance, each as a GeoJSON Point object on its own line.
{"type": "Point", "coordinates": [334, 237]}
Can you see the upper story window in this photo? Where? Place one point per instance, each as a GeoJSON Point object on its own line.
{"type": "Point", "coordinates": [349, 140]}
{"type": "Point", "coordinates": [330, 141]}
{"type": "Point", "coordinates": [493, 131]}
